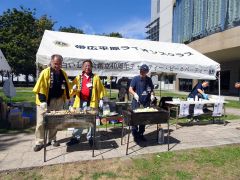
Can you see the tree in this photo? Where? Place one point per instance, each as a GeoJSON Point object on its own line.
{"type": "Point", "coordinates": [113, 34]}
{"type": "Point", "coordinates": [21, 34]}
{"type": "Point", "coordinates": [71, 29]}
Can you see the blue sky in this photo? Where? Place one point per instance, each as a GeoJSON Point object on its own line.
{"type": "Point", "coordinates": [129, 17]}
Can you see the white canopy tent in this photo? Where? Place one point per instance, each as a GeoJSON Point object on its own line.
{"type": "Point", "coordinates": [8, 87]}
{"type": "Point", "coordinates": [4, 66]}
{"type": "Point", "coordinates": [123, 57]}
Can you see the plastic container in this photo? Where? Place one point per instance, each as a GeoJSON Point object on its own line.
{"type": "Point", "coordinates": [196, 98]}
{"type": "Point", "coordinates": [97, 121]}
{"type": "Point", "coordinates": [84, 106]}
{"type": "Point", "coordinates": [113, 121]}
{"type": "Point", "coordinates": [161, 136]}
{"type": "Point", "coordinates": [106, 109]}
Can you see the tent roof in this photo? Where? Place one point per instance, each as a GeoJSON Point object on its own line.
{"type": "Point", "coordinates": [4, 66]}
{"type": "Point", "coordinates": [123, 57]}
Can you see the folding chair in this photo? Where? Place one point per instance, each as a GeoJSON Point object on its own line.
{"type": "Point", "coordinates": [162, 103]}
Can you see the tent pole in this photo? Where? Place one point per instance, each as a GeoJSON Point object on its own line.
{"type": "Point", "coordinates": [110, 85]}
{"type": "Point", "coordinates": [219, 84]}
{"type": "Point", "coordinates": [159, 79]}
{"type": "Point", "coordinates": [37, 70]}
{"type": "Point", "coordinates": [160, 89]}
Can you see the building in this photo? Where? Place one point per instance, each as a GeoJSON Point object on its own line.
{"type": "Point", "coordinates": [212, 27]}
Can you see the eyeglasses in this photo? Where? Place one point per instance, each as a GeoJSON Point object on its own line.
{"type": "Point", "coordinates": [85, 66]}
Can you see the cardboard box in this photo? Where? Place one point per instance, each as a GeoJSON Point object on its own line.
{"type": "Point", "coordinates": [15, 120]}
{"type": "Point", "coordinates": [26, 121]}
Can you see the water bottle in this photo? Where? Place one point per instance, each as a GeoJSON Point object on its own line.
{"type": "Point", "coordinates": [106, 109]}
{"type": "Point", "coordinates": [84, 106]}
{"type": "Point", "coordinates": [161, 136]}
{"type": "Point", "coordinates": [97, 121]}
{"type": "Point", "coordinates": [196, 98]}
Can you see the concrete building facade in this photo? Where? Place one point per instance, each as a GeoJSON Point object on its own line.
{"type": "Point", "coordinates": [212, 27]}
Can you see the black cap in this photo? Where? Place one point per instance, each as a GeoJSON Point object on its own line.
{"type": "Point", "coordinates": [144, 67]}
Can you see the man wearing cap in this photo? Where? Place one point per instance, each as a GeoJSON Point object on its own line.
{"type": "Point", "coordinates": [199, 90]}
{"type": "Point", "coordinates": [141, 88]}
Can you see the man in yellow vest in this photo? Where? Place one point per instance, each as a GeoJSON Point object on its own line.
{"type": "Point", "coordinates": [52, 92]}
{"type": "Point", "coordinates": [89, 92]}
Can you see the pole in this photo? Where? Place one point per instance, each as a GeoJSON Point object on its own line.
{"type": "Point", "coordinates": [159, 80]}
{"type": "Point", "coordinates": [110, 86]}
{"type": "Point", "coordinates": [219, 84]}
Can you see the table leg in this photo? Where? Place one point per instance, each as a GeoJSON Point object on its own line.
{"type": "Point", "coordinates": [44, 142]}
{"type": "Point", "coordinates": [106, 123]}
{"type": "Point", "coordinates": [122, 133]}
{"type": "Point", "coordinates": [224, 111]}
{"type": "Point", "coordinates": [94, 136]}
{"type": "Point", "coordinates": [176, 117]}
{"type": "Point", "coordinates": [128, 140]}
{"type": "Point", "coordinates": [168, 135]}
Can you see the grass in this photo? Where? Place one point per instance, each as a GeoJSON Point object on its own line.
{"type": "Point", "coordinates": [207, 118]}
{"type": "Point", "coordinates": [98, 175]}
{"type": "Point", "coordinates": [169, 93]}
{"type": "Point", "coordinates": [22, 95]}
{"type": "Point", "coordinates": [204, 163]}
{"type": "Point", "coordinates": [233, 104]}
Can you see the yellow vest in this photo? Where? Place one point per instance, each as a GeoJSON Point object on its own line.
{"type": "Point", "coordinates": [43, 83]}
{"type": "Point", "coordinates": [98, 91]}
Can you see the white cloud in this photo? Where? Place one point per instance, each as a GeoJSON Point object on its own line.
{"type": "Point", "coordinates": [134, 28]}
{"type": "Point", "coordinates": [88, 29]}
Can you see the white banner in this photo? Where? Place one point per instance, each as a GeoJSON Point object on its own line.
{"type": "Point", "coordinates": [123, 57]}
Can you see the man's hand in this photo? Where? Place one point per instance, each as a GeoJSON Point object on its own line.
{"type": "Point", "coordinates": [152, 97]}
{"type": "Point", "coordinates": [101, 103]}
{"type": "Point", "coordinates": [74, 87]}
{"type": "Point", "coordinates": [43, 106]}
{"type": "Point", "coordinates": [205, 96]}
{"type": "Point", "coordinates": [136, 97]}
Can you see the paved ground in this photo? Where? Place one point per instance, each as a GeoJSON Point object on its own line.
{"type": "Point", "coordinates": [16, 150]}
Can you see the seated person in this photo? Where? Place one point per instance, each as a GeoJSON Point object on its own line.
{"type": "Point", "coordinates": [123, 86]}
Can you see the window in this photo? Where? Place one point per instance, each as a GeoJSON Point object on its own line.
{"type": "Point", "coordinates": [225, 80]}
{"type": "Point", "coordinates": [185, 85]}
{"type": "Point", "coordinates": [158, 6]}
